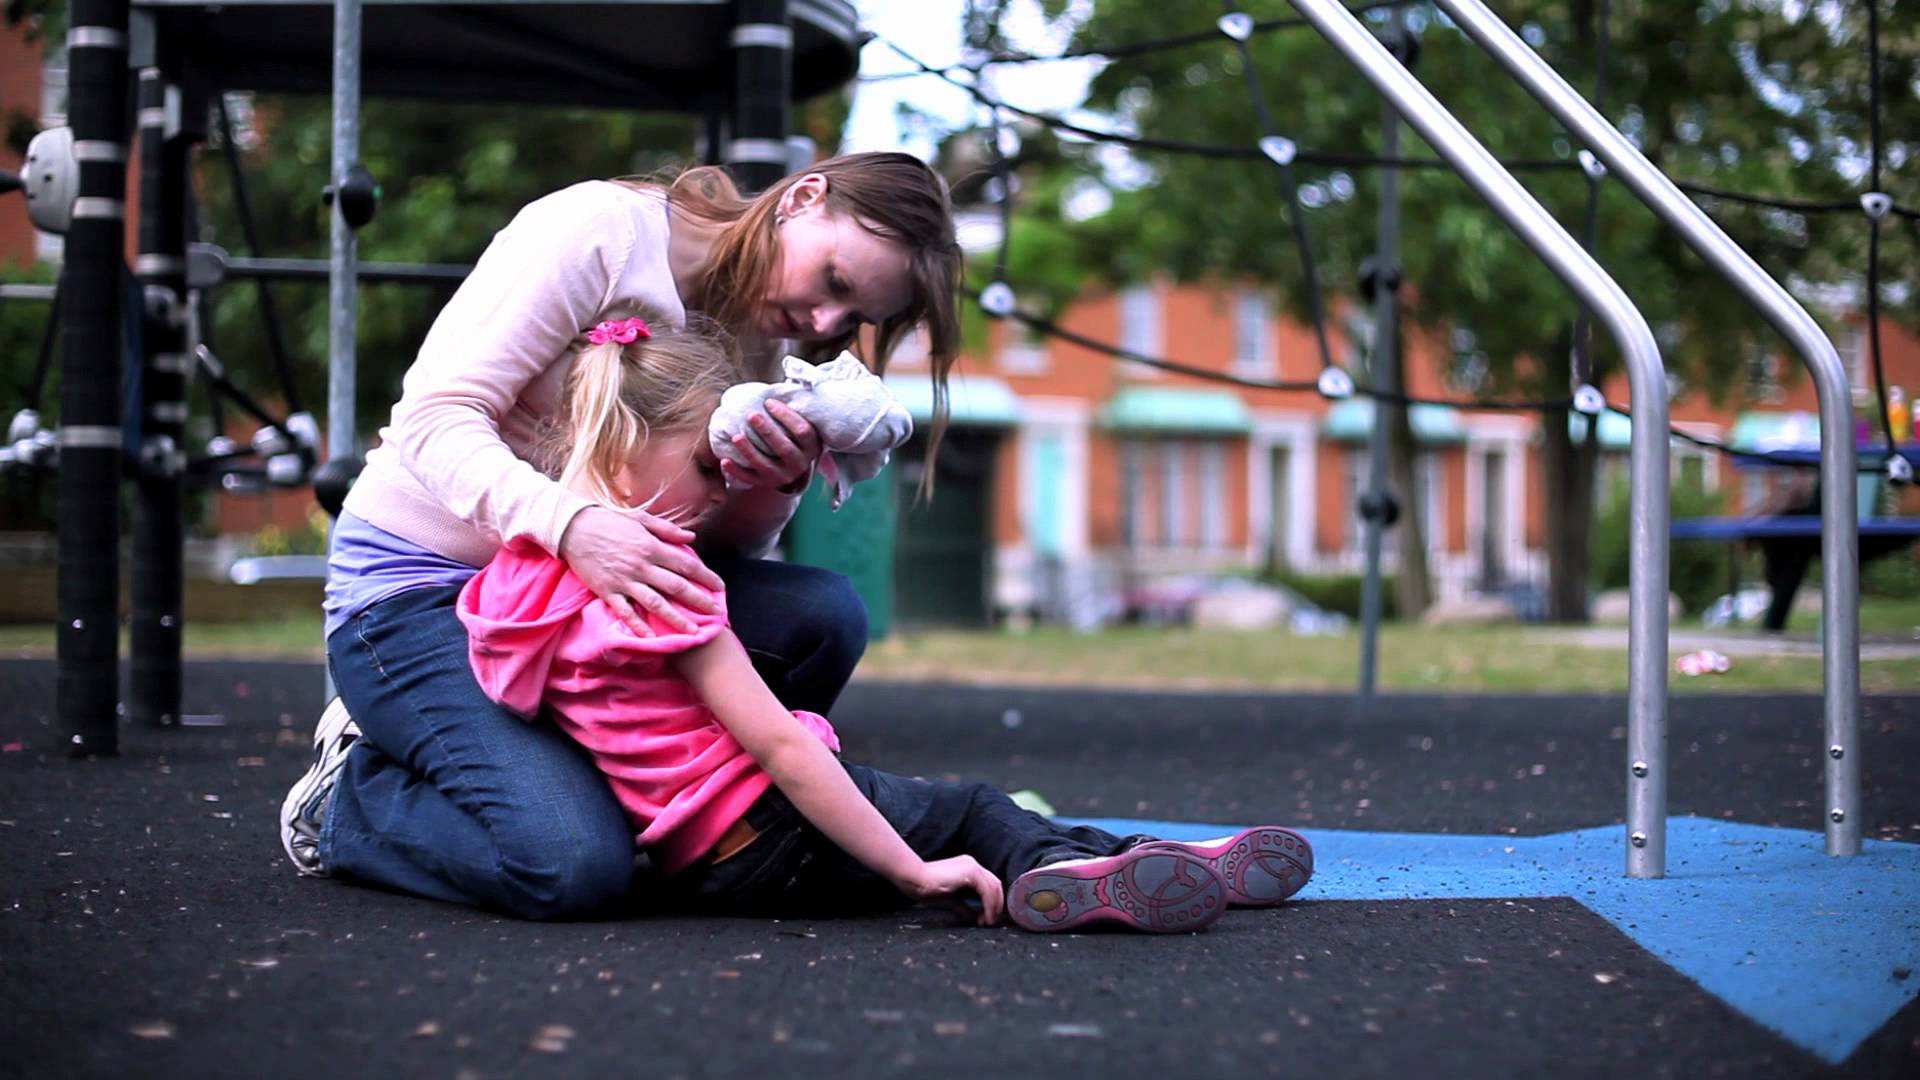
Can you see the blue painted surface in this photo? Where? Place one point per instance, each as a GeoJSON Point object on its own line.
{"type": "Point", "coordinates": [1802, 943]}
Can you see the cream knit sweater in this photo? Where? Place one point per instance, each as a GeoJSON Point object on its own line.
{"type": "Point", "coordinates": [450, 471]}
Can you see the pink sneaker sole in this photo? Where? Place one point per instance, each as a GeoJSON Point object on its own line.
{"type": "Point", "coordinates": [1262, 866]}
{"type": "Point", "coordinates": [1159, 891]}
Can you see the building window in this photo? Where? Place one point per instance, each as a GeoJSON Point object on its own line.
{"type": "Point", "coordinates": [1763, 375]}
{"type": "Point", "coordinates": [1140, 330]}
{"type": "Point", "coordinates": [1253, 336]}
{"type": "Point", "coordinates": [1432, 478]}
{"type": "Point", "coordinates": [1024, 351]}
{"type": "Point", "coordinates": [1173, 496]}
{"type": "Point", "coordinates": [1133, 495]}
{"type": "Point", "coordinates": [1468, 366]}
{"type": "Point", "coordinates": [1213, 496]}
{"type": "Point", "coordinates": [1359, 474]}
{"type": "Point", "coordinates": [910, 351]}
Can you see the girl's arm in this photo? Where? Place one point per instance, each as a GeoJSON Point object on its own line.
{"type": "Point", "coordinates": [807, 772]}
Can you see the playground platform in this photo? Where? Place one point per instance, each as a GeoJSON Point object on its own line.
{"type": "Point", "coordinates": [1469, 915]}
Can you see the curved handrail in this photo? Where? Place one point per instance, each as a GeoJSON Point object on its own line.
{"type": "Point", "coordinates": [1649, 509]}
{"type": "Point", "coordinates": [1840, 551]}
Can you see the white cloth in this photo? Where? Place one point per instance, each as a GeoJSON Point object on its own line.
{"type": "Point", "coordinates": [858, 420]}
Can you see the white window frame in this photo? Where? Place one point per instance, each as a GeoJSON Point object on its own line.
{"type": "Point", "coordinates": [1133, 481]}
{"type": "Point", "coordinates": [1174, 531]}
{"type": "Point", "coordinates": [1213, 495]}
{"type": "Point", "coordinates": [1253, 336]}
{"type": "Point", "coordinates": [1023, 351]}
{"type": "Point", "coordinates": [1142, 326]}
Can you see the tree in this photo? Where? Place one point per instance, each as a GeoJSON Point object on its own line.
{"type": "Point", "coordinates": [1759, 96]}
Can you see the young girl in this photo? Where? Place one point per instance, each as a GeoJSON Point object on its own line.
{"type": "Point", "coordinates": [741, 803]}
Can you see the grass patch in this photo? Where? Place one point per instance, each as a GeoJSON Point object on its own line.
{"type": "Point", "coordinates": [1500, 659]}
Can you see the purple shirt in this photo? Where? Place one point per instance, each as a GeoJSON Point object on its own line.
{"type": "Point", "coordinates": [366, 565]}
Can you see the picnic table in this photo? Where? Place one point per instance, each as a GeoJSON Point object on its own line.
{"type": "Point", "coordinates": [1789, 542]}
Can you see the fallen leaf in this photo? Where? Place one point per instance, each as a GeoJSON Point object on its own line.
{"type": "Point", "coordinates": [153, 1029]}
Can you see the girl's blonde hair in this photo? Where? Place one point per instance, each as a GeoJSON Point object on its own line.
{"type": "Point", "coordinates": [618, 396]}
{"type": "Point", "coordinates": [894, 196]}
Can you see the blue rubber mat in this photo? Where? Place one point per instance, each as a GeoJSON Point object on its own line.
{"type": "Point", "coordinates": [1821, 950]}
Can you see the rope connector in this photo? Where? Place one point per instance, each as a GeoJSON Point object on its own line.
{"type": "Point", "coordinates": [1335, 384]}
{"type": "Point", "coordinates": [997, 299]}
{"type": "Point", "coordinates": [1876, 204]}
{"type": "Point", "coordinates": [1237, 25]}
{"type": "Point", "coordinates": [1592, 166]}
{"type": "Point", "coordinates": [1280, 148]}
{"type": "Point", "coordinates": [1899, 469]}
{"type": "Point", "coordinates": [1588, 399]}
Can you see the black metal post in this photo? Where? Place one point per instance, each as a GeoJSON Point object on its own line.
{"type": "Point", "coordinates": [90, 434]}
{"type": "Point", "coordinates": [1381, 372]}
{"type": "Point", "coordinates": [169, 122]}
{"type": "Point", "coordinates": [763, 90]}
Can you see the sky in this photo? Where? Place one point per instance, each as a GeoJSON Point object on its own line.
{"type": "Point", "coordinates": [931, 30]}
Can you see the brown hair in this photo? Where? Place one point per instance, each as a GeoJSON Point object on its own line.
{"type": "Point", "coordinates": [893, 196]}
{"type": "Point", "coordinates": [618, 395]}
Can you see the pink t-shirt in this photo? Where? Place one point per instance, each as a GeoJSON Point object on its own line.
{"type": "Point", "coordinates": [538, 636]}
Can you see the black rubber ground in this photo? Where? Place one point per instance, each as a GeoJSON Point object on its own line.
{"type": "Point", "coordinates": [150, 926]}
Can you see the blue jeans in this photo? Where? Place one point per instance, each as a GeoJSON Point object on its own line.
{"type": "Point", "coordinates": [449, 796]}
{"type": "Point", "coordinates": [792, 870]}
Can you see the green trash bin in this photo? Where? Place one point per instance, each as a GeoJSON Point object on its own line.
{"type": "Point", "coordinates": [857, 540]}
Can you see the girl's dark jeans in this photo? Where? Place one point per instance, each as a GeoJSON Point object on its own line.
{"type": "Point", "coordinates": [792, 870]}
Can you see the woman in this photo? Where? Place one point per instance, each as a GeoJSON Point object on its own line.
{"type": "Point", "coordinates": [434, 789]}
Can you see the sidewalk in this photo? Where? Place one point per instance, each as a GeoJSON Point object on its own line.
{"type": "Point", "coordinates": [1735, 643]}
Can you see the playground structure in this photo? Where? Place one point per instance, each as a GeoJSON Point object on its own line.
{"type": "Point", "coordinates": [764, 38]}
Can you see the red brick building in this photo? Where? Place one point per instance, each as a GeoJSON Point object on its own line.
{"type": "Point", "coordinates": [1105, 473]}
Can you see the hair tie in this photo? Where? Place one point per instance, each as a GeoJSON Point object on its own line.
{"type": "Point", "coordinates": [620, 331]}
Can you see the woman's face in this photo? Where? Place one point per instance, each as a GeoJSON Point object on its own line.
{"type": "Point", "coordinates": [833, 275]}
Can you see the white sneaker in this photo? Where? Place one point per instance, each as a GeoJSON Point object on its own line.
{"type": "Point", "coordinates": [306, 803]}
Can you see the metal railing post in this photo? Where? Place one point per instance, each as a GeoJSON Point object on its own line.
{"type": "Point", "coordinates": [1649, 508]}
{"type": "Point", "coordinates": [1839, 523]}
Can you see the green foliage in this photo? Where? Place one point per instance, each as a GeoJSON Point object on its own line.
{"type": "Point", "coordinates": [1683, 81]}
{"type": "Point", "coordinates": [1336, 592]}
{"type": "Point", "coordinates": [450, 178]}
{"type": "Point", "coordinates": [1698, 571]}
{"type": "Point", "coordinates": [1895, 576]}
{"type": "Point", "coordinates": [26, 499]}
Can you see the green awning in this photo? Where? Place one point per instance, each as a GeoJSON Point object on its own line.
{"type": "Point", "coordinates": [1173, 410]}
{"type": "Point", "coordinates": [1761, 432]}
{"type": "Point", "coordinates": [1352, 421]}
{"type": "Point", "coordinates": [972, 400]}
{"type": "Point", "coordinates": [1616, 431]}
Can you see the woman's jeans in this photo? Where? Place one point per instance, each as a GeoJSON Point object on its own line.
{"type": "Point", "coordinates": [448, 795]}
{"type": "Point", "coordinates": [791, 870]}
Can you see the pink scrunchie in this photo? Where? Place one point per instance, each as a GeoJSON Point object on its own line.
{"type": "Point", "coordinates": [623, 331]}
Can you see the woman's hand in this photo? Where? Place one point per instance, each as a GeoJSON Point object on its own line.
{"type": "Point", "coordinates": [793, 446]}
{"type": "Point", "coordinates": [953, 879]}
{"type": "Point", "coordinates": [634, 562]}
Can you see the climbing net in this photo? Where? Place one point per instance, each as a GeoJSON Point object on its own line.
{"type": "Point", "coordinates": [999, 298]}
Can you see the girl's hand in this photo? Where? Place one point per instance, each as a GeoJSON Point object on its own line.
{"type": "Point", "coordinates": [951, 879]}
{"type": "Point", "coordinates": [793, 446]}
{"type": "Point", "coordinates": [634, 562]}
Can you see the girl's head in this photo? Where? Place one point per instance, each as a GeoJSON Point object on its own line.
{"type": "Point", "coordinates": [854, 240]}
{"type": "Point", "coordinates": [634, 431]}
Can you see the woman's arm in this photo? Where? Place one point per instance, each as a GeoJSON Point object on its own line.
{"type": "Point", "coordinates": [549, 273]}
{"type": "Point", "coordinates": [807, 772]}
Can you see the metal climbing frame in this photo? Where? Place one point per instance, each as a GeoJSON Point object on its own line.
{"type": "Point", "coordinates": [1648, 511]}
{"type": "Point", "coordinates": [1839, 522]}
